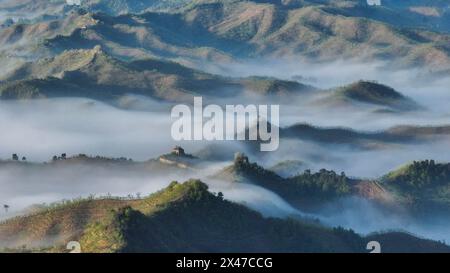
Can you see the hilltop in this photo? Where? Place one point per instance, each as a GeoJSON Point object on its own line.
{"type": "Point", "coordinates": [365, 139]}
{"type": "Point", "coordinates": [422, 14]}
{"type": "Point", "coordinates": [273, 86]}
{"type": "Point", "coordinates": [99, 166]}
{"type": "Point", "coordinates": [173, 220]}
{"type": "Point", "coordinates": [159, 220]}
{"type": "Point", "coordinates": [288, 168]}
{"type": "Point", "coordinates": [222, 31]}
{"type": "Point", "coordinates": [367, 93]}
{"type": "Point", "coordinates": [93, 73]}
{"type": "Point", "coordinates": [305, 191]}
{"type": "Point", "coordinates": [424, 186]}
{"type": "Point", "coordinates": [420, 189]}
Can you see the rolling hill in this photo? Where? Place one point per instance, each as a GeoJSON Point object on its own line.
{"type": "Point", "coordinates": [173, 220]}
{"type": "Point", "coordinates": [415, 190]}
{"type": "Point", "coordinates": [306, 191]}
{"type": "Point", "coordinates": [408, 14]}
{"type": "Point", "coordinates": [365, 139]}
{"type": "Point", "coordinates": [367, 93]}
{"type": "Point", "coordinates": [231, 30]}
{"type": "Point", "coordinates": [165, 50]}
{"type": "Point", "coordinates": [424, 186]}
{"type": "Point", "coordinates": [92, 73]}
{"type": "Point", "coordinates": [288, 168]}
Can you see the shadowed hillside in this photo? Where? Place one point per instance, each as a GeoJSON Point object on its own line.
{"type": "Point", "coordinates": [173, 220]}
{"type": "Point", "coordinates": [228, 30]}
{"type": "Point", "coordinates": [94, 74]}
{"type": "Point", "coordinates": [306, 191]}
{"type": "Point", "coordinates": [370, 93]}
{"type": "Point", "coordinates": [364, 139]}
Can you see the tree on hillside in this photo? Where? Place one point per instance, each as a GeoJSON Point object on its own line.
{"type": "Point", "coordinates": [220, 195]}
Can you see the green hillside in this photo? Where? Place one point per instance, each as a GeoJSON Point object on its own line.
{"type": "Point", "coordinates": [305, 191]}
{"type": "Point", "coordinates": [220, 31]}
{"type": "Point", "coordinates": [92, 73]}
{"type": "Point", "coordinates": [181, 218]}
{"type": "Point", "coordinates": [272, 86]}
{"type": "Point", "coordinates": [365, 139]}
{"type": "Point", "coordinates": [173, 220]}
{"type": "Point", "coordinates": [373, 93]}
{"type": "Point", "coordinates": [423, 185]}
{"type": "Point", "coordinates": [288, 168]}
{"type": "Point", "coordinates": [310, 191]}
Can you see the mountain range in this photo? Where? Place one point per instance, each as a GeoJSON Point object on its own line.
{"type": "Point", "coordinates": [228, 52]}
{"type": "Point", "coordinates": [196, 31]}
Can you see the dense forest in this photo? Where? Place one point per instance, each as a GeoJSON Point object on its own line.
{"type": "Point", "coordinates": [304, 188]}
{"type": "Point", "coordinates": [424, 186]}
{"type": "Point", "coordinates": [420, 175]}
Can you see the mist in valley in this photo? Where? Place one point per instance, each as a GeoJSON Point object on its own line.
{"type": "Point", "coordinates": [139, 128]}
{"type": "Point", "coordinates": [429, 91]}
{"type": "Point", "coordinates": [365, 217]}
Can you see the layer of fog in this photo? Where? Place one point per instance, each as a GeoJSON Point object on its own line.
{"type": "Point", "coordinates": [40, 129]}
{"type": "Point", "coordinates": [431, 92]}
{"type": "Point", "coordinates": [26, 188]}
{"type": "Point", "coordinates": [140, 129]}
{"type": "Point", "coordinates": [356, 163]}
{"type": "Point", "coordinates": [330, 74]}
{"type": "Point", "coordinates": [364, 217]}
{"type": "Point", "coordinates": [23, 187]}
{"type": "Point", "coordinates": [257, 198]}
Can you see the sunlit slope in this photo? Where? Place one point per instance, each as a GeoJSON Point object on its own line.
{"type": "Point", "coordinates": [368, 140]}
{"type": "Point", "coordinates": [418, 188]}
{"type": "Point", "coordinates": [93, 73]}
{"type": "Point", "coordinates": [307, 190]}
{"type": "Point", "coordinates": [315, 31]}
{"type": "Point", "coordinates": [373, 93]}
{"type": "Point", "coordinates": [422, 185]}
{"type": "Point", "coordinates": [221, 31]}
{"type": "Point", "coordinates": [181, 218]}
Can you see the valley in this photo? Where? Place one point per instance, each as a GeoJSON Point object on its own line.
{"type": "Point", "coordinates": [87, 154]}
